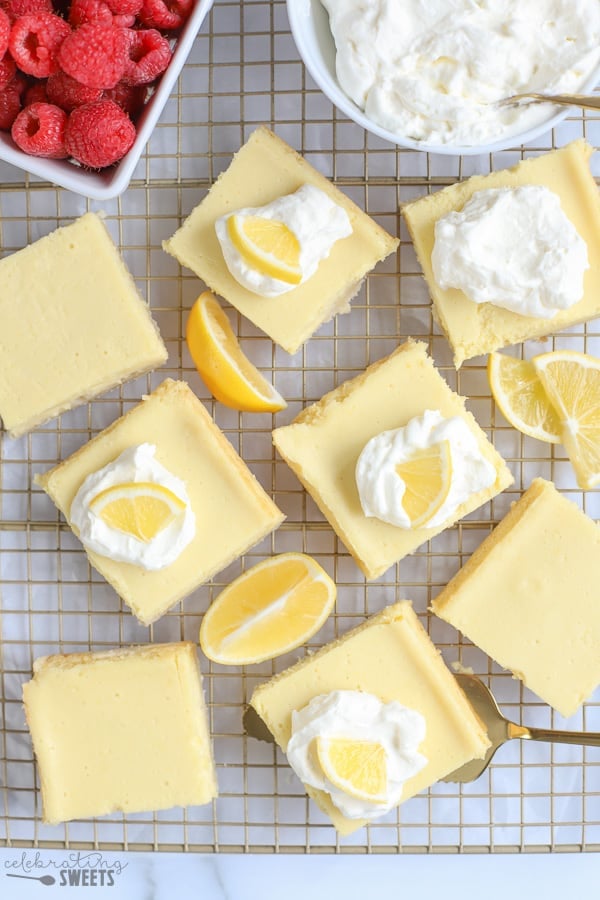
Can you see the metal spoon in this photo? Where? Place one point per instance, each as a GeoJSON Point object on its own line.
{"type": "Point", "coordinates": [45, 879]}
{"type": "Point", "coordinates": [501, 730]}
{"type": "Point", "coordinates": [585, 101]}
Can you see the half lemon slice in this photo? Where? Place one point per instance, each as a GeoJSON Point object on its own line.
{"type": "Point", "coordinates": [427, 476]}
{"type": "Point", "coordinates": [139, 509]}
{"type": "Point", "coordinates": [522, 400]}
{"type": "Point", "coordinates": [267, 245]}
{"type": "Point", "coordinates": [358, 768]}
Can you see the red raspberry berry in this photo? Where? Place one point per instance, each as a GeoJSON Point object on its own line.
{"type": "Point", "coordinates": [83, 11]}
{"type": "Point", "coordinates": [125, 21]}
{"type": "Point", "coordinates": [8, 71]}
{"type": "Point", "coordinates": [15, 9]}
{"type": "Point", "coordinates": [95, 55]}
{"type": "Point", "coordinates": [99, 134]}
{"type": "Point", "coordinates": [39, 130]}
{"type": "Point", "coordinates": [10, 106]}
{"type": "Point", "coordinates": [35, 93]}
{"type": "Point", "coordinates": [165, 14]}
{"type": "Point", "coordinates": [19, 83]}
{"type": "Point", "coordinates": [124, 7]}
{"type": "Point", "coordinates": [67, 93]}
{"type": "Point", "coordinates": [4, 32]}
{"type": "Point", "coordinates": [149, 56]}
{"type": "Point", "coordinates": [130, 97]}
{"type": "Point", "coordinates": [35, 40]}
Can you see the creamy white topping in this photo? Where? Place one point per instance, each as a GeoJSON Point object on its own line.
{"type": "Point", "coordinates": [380, 487]}
{"type": "Point", "coordinates": [427, 69]}
{"type": "Point", "coordinates": [513, 247]}
{"type": "Point", "coordinates": [316, 221]}
{"type": "Point", "coordinates": [134, 464]}
{"type": "Point", "coordinates": [355, 715]}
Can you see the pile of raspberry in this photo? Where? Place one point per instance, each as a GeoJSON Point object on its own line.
{"type": "Point", "coordinates": [74, 77]}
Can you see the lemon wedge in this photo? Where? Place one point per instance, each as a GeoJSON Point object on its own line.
{"type": "Point", "coordinates": [358, 768]}
{"type": "Point", "coordinates": [273, 607]}
{"type": "Point", "coordinates": [228, 373]}
{"type": "Point", "coordinates": [267, 245]}
{"type": "Point", "coordinates": [139, 509]}
{"type": "Point", "coordinates": [427, 476]}
{"type": "Point", "coordinates": [522, 400]}
{"type": "Point", "coordinates": [572, 383]}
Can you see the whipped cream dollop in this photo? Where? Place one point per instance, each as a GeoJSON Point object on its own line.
{"type": "Point", "coordinates": [513, 247]}
{"type": "Point", "coordinates": [315, 220]}
{"type": "Point", "coordinates": [380, 487]}
{"type": "Point", "coordinates": [428, 69]}
{"type": "Point", "coordinates": [133, 465]}
{"type": "Point", "coordinates": [355, 715]}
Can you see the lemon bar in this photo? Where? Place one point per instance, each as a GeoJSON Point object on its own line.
{"type": "Point", "coordinates": [529, 597]}
{"type": "Point", "coordinates": [72, 325]}
{"type": "Point", "coordinates": [120, 730]}
{"type": "Point", "coordinates": [232, 510]}
{"type": "Point", "coordinates": [323, 444]}
{"type": "Point", "coordinates": [264, 169]}
{"type": "Point", "coordinates": [477, 328]}
{"type": "Point", "coordinates": [390, 656]}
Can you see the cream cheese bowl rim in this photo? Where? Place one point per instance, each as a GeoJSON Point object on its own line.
{"type": "Point", "coordinates": [309, 23]}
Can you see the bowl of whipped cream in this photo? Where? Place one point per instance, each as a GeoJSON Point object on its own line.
{"type": "Point", "coordinates": [427, 74]}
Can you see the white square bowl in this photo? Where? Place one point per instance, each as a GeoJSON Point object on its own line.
{"type": "Point", "coordinates": [113, 180]}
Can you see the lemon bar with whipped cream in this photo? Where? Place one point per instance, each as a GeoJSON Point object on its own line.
{"type": "Point", "coordinates": [384, 686]}
{"type": "Point", "coordinates": [161, 500]}
{"type": "Point", "coordinates": [72, 325]}
{"type": "Point", "coordinates": [512, 255]}
{"type": "Point", "coordinates": [120, 731]}
{"type": "Point", "coordinates": [360, 448]}
{"type": "Point", "coordinates": [279, 242]}
{"type": "Point", "coordinates": [529, 597]}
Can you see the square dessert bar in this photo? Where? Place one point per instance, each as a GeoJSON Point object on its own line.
{"type": "Point", "coordinates": [121, 730]}
{"type": "Point", "coordinates": [323, 444]}
{"type": "Point", "coordinates": [266, 168]}
{"type": "Point", "coordinates": [232, 510]}
{"type": "Point", "coordinates": [391, 656]}
{"type": "Point", "coordinates": [529, 597]}
{"type": "Point", "coordinates": [477, 328]}
{"type": "Point", "coordinates": [72, 325]}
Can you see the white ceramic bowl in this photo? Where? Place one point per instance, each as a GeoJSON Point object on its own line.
{"type": "Point", "coordinates": [310, 27]}
{"type": "Point", "coordinates": [112, 181]}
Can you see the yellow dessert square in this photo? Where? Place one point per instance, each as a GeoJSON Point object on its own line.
{"type": "Point", "coordinates": [392, 657]}
{"type": "Point", "coordinates": [264, 169]}
{"type": "Point", "coordinates": [323, 444]}
{"type": "Point", "coordinates": [232, 510]}
{"type": "Point", "coordinates": [529, 597]}
{"type": "Point", "coordinates": [477, 328]}
{"type": "Point", "coordinates": [120, 731]}
{"type": "Point", "coordinates": [72, 325]}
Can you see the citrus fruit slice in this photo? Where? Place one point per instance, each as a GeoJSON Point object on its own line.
{"type": "Point", "coordinates": [427, 476]}
{"type": "Point", "coordinates": [358, 768]}
{"type": "Point", "coordinates": [273, 607]}
{"type": "Point", "coordinates": [140, 509]}
{"type": "Point", "coordinates": [521, 397]}
{"type": "Point", "coordinates": [572, 382]}
{"type": "Point", "coordinates": [228, 373]}
{"type": "Point", "coordinates": [267, 245]}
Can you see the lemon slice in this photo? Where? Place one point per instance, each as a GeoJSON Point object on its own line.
{"type": "Point", "coordinates": [572, 382]}
{"type": "Point", "coordinates": [229, 375]}
{"type": "Point", "coordinates": [140, 509]}
{"type": "Point", "coordinates": [521, 397]}
{"type": "Point", "coordinates": [273, 607]}
{"type": "Point", "coordinates": [267, 245]}
{"type": "Point", "coordinates": [358, 768]}
{"type": "Point", "coordinates": [427, 476]}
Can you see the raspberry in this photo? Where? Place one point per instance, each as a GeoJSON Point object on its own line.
{"type": "Point", "coordinates": [4, 32]}
{"type": "Point", "coordinates": [39, 130]}
{"type": "Point", "coordinates": [19, 83]}
{"type": "Point", "coordinates": [35, 40]}
{"type": "Point", "coordinates": [130, 97]}
{"type": "Point", "coordinates": [99, 134]}
{"type": "Point", "coordinates": [67, 93]}
{"type": "Point", "coordinates": [124, 7]}
{"type": "Point", "coordinates": [165, 14]}
{"type": "Point", "coordinates": [125, 21]}
{"type": "Point", "coordinates": [83, 11]}
{"type": "Point", "coordinates": [149, 56]}
{"type": "Point", "coordinates": [8, 71]}
{"type": "Point", "coordinates": [95, 55]}
{"type": "Point", "coordinates": [36, 93]}
{"type": "Point", "coordinates": [15, 9]}
{"type": "Point", "coordinates": [10, 106]}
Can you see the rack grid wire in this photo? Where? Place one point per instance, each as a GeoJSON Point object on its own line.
{"type": "Point", "coordinates": [243, 71]}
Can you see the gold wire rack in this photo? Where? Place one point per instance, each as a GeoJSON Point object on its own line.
{"type": "Point", "coordinates": [244, 70]}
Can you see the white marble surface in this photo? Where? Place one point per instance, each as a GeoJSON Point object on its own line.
{"type": "Point", "coordinates": [166, 876]}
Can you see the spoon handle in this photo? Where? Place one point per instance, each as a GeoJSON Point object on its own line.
{"type": "Point", "coordinates": [584, 739]}
{"type": "Point", "coordinates": [585, 101]}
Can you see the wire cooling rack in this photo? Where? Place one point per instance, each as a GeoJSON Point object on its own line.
{"type": "Point", "coordinates": [244, 70]}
